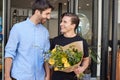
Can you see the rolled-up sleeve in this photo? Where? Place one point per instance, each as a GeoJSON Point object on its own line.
{"type": "Point", "coordinates": [12, 44]}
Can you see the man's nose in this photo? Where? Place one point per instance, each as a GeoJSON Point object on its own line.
{"type": "Point", "coordinates": [48, 17]}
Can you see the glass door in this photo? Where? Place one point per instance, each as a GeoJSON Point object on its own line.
{"type": "Point", "coordinates": [88, 29]}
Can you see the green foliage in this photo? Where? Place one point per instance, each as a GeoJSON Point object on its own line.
{"type": "Point", "coordinates": [61, 59]}
{"type": "Point", "coordinates": [93, 54]}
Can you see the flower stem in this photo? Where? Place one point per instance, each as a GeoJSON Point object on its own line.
{"type": "Point", "coordinates": [80, 76]}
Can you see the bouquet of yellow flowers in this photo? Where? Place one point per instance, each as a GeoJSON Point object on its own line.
{"type": "Point", "coordinates": [66, 58]}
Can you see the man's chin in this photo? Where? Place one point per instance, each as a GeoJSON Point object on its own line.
{"type": "Point", "coordinates": [43, 22]}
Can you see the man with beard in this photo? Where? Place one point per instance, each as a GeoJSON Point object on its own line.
{"type": "Point", "coordinates": [26, 45]}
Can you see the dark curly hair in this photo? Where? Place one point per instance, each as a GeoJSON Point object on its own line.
{"type": "Point", "coordinates": [41, 5]}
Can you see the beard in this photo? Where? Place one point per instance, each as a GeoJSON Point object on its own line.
{"type": "Point", "coordinates": [43, 21]}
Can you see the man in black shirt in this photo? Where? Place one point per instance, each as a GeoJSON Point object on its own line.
{"type": "Point", "coordinates": [68, 26]}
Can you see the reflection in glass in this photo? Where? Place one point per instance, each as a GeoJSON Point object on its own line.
{"type": "Point", "coordinates": [84, 26]}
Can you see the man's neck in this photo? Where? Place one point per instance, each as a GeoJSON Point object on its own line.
{"type": "Point", "coordinates": [34, 20]}
{"type": "Point", "coordinates": [69, 35]}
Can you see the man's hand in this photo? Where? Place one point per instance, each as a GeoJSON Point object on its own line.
{"type": "Point", "coordinates": [8, 78]}
{"type": "Point", "coordinates": [79, 70]}
{"type": "Point", "coordinates": [47, 78]}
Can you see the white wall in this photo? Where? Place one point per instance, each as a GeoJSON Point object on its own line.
{"type": "Point", "coordinates": [53, 28]}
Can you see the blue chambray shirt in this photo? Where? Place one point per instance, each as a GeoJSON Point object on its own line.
{"type": "Point", "coordinates": [26, 45]}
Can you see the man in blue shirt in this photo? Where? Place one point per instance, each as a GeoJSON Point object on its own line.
{"type": "Point", "coordinates": [28, 40]}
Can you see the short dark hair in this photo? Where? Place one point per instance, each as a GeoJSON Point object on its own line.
{"type": "Point", "coordinates": [74, 18]}
{"type": "Point", "coordinates": [41, 5]}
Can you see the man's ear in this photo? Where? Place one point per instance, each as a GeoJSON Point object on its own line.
{"type": "Point", "coordinates": [74, 25]}
{"type": "Point", "coordinates": [37, 11]}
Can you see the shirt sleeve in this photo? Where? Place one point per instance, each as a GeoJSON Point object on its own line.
{"type": "Point", "coordinates": [47, 43]}
{"type": "Point", "coordinates": [52, 44]}
{"type": "Point", "coordinates": [85, 48]}
{"type": "Point", "coordinates": [12, 44]}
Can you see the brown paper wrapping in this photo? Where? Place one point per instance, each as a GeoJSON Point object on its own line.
{"type": "Point", "coordinates": [77, 45]}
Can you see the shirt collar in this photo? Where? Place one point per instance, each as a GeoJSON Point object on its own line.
{"type": "Point", "coordinates": [28, 20]}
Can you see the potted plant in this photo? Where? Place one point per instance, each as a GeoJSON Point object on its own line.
{"type": "Point", "coordinates": [93, 56]}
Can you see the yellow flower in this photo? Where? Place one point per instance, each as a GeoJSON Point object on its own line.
{"type": "Point", "coordinates": [66, 64]}
{"type": "Point", "coordinates": [64, 60]}
{"type": "Point", "coordinates": [61, 59]}
{"type": "Point", "coordinates": [72, 53]}
{"type": "Point", "coordinates": [54, 50]}
{"type": "Point", "coordinates": [51, 61]}
{"type": "Point", "coordinates": [56, 69]}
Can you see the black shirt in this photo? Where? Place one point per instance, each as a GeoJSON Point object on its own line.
{"type": "Point", "coordinates": [61, 40]}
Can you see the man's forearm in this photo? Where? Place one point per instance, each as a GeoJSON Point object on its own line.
{"type": "Point", "coordinates": [47, 69]}
{"type": "Point", "coordinates": [8, 64]}
{"type": "Point", "coordinates": [85, 62]}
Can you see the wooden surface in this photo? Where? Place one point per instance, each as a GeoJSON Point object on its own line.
{"type": "Point", "coordinates": [118, 66]}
